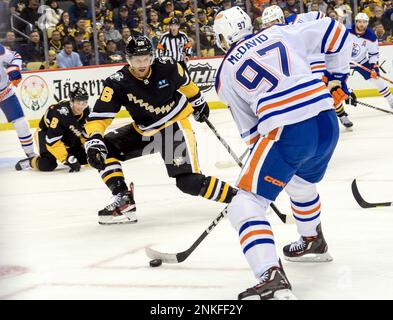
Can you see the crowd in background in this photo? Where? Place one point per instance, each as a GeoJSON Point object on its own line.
{"type": "Point", "coordinates": [70, 30]}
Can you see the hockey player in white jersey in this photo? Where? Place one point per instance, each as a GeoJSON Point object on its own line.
{"type": "Point", "coordinates": [317, 60]}
{"type": "Point", "coordinates": [10, 76]}
{"type": "Point", "coordinates": [366, 52]}
{"type": "Point", "coordinates": [286, 116]}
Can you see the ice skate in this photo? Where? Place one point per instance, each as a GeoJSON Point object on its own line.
{"type": "Point", "coordinates": [346, 122]}
{"type": "Point", "coordinates": [23, 164]}
{"type": "Point", "coordinates": [308, 249]}
{"type": "Point", "coordinates": [273, 285]}
{"type": "Point", "coordinates": [121, 210]}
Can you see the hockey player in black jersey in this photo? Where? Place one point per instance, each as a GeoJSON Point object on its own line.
{"type": "Point", "coordinates": [61, 135]}
{"type": "Point", "coordinates": [160, 96]}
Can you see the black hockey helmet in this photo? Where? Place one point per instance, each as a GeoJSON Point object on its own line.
{"type": "Point", "coordinates": [139, 46]}
{"type": "Point", "coordinates": [79, 94]}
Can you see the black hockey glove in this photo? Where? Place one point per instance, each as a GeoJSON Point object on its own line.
{"type": "Point", "coordinates": [96, 152]}
{"type": "Point", "coordinates": [352, 99]}
{"type": "Point", "coordinates": [73, 163]}
{"type": "Point", "coordinates": [201, 112]}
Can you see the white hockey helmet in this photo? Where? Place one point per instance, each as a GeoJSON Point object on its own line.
{"type": "Point", "coordinates": [362, 16]}
{"type": "Point", "coordinates": [231, 25]}
{"type": "Point", "coordinates": [271, 14]}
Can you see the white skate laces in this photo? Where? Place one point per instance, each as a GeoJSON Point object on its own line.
{"type": "Point", "coordinates": [297, 245]}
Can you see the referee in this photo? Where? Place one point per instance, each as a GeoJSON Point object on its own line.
{"type": "Point", "coordinates": [175, 44]}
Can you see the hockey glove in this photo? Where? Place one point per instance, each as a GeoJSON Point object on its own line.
{"type": "Point", "coordinates": [352, 99]}
{"type": "Point", "coordinates": [338, 87]}
{"type": "Point", "coordinates": [73, 163]}
{"type": "Point", "coordinates": [201, 113]}
{"type": "Point", "coordinates": [96, 151]}
{"type": "Point", "coordinates": [374, 72]}
{"type": "Point", "coordinates": [14, 75]}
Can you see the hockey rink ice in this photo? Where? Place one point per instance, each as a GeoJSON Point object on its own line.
{"type": "Point", "coordinates": [51, 246]}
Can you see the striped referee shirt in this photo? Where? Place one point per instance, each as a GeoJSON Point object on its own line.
{"type": "Point", "coordinates": [174, 46]}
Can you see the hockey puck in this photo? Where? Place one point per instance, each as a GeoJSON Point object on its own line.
{"type": "Point", "coordinates": [155, 263]}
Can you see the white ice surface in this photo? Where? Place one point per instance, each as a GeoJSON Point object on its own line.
{"type": "Point", "coordinates": [51, 246]}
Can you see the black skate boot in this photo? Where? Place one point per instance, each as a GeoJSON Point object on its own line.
{"type": "Point", "coordinates": [273, 285]}
{"type": "Point", "coordinates": [121, 210]}
{"type": "Point", "coordinates": [308, 249]}
{"type": "Point", "coordinates": [23, 164]}
{"type": "Point", "coordinates": [345, 121]}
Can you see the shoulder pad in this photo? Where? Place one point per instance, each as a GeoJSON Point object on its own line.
{"type": "Point", "coordinates": [62, 107]}
{"type": "Point", "coordinates": [370, 35]}
{"type": "Point", "coordinates": [164, 60]}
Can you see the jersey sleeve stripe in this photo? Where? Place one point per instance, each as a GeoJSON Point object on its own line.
{"type": "Point", "coordinates": [344, 38]}
{"type": "Point", "coordinates": [335, 37]}
{"type": "Point", "coordinates": [326, 36]}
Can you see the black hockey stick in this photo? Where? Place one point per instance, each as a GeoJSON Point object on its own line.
{"type": "Point", "coordinates": [181, 256]}
{"type": "Point", "coordinates": [284, 218]}
{"type": "Point", "coordinates": [373, 107]}
{"type": "Point", "coordinates": [363, 203]}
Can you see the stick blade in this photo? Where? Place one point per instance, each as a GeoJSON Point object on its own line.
{"type": "Point", "coordinates": [164, 257]}
{"type": "Point", "coordinates": [363, 203]}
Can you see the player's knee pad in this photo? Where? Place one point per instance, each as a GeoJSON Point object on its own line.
{"type": "Point", "coordinates": [46, 164]}
{"type": "Point", "coordinates": [301, 190]}
{"type": "Point", "coordinates": [190, 183]}
{"type": "Point", "coordinates": [245, 206]}
{"type": "Point", "coordinates": [12, 109]}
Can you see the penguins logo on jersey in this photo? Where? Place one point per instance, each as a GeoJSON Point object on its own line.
{"type": "Point", "coordinates": [117, 76]}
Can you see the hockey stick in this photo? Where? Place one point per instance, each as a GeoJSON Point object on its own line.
{"type": "Point", "coordinates": [373, 107]}
{"type": "Point", "coordinates": [228, 164]}
{"type": "Point", "coordinates": [181, 256]}
{"type": "Point", "coordinates": [367, 69]}
{"type": "Point", "coordinates": [363, 203]}
{"type": "Point", "coordinates": [284, 218]}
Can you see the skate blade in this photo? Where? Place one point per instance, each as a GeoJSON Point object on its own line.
{"type": "Point", "coordinates": [285, 294]}
{"type": "Point", "coordinates": [311, 257]}
{"type": "Point", "coordinates": [123, 219]}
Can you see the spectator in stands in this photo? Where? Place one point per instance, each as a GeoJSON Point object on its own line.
{"type": "Point", "coordinates": [30, 14]}
{"type": "Point", "coordinates": [380, 18]}
{"type": "Point", "coordinates": [344, 12]}
{"type": "Point", "coordinates": [130, 4]}
{"type": "Point", "coordinates": [110, 32]}
{"type": "Point", "coordinates": [82, 27]}
{"type": "Point", "coordinates": [17, 6]}
{"type": "Point", "coordinates": [123, 19]}
{"type": "Point", "coordinates": [78, 41]}
{"type": "Point", "coordinates": [65, 27]}
{"type": "Point", "coordinates": [33, 51]}
{"type": "Point", "coordinates": [55, 42]}
{"type": "Point", "coordinates": [138, 30]}
{"type": "Point", "coordinates": [317, 5]}
{"type": "Point", "coordinates": [52, 15]}
{"type": "Point", "coordinates": [10, 41]}
{"type": "Point", "coordinates": [79, 10]}
{"type": "Point", "coordinates": [370, 9]}
{"type": "Point", "coordinates": [101, 42]}
{"type": "Point", "coordinates": [87, 55]}
{"type": "Point", "coordinates": [125, 34]}
{"type": "Point", "coordinates": [382, 35]}
{"type": "Point", "coordinates": [333, 14]}
{"type": "Point", "coordinates": [112, 55]}
{"type": "Point", "coordinates": [103, 12]}
{"type": "Point", "coordinates": [67, 58]}
{"type": "Point", "coordinates": [51, 64]}
{"type": "Point", "coordinates": [155, 24]}
{"type": "Point", "coordinates": [169, 12]}
{"type": "Point", "coordinates": [291, 5]}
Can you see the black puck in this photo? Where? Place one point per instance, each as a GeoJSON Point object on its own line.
{"type": "Point", "coordinates": [155, 263]}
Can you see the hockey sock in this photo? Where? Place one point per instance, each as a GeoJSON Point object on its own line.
{"type": "Point", "coordinates": [26, 139]}
{"type": "Point", "coordinates": [247, 215]}
{"type": "Point", "coordinates": [383, 89]}
{"type": "Point", "coordinates": [113, 176]}
{"type": "Point", "coordinates": [217, 190]}
{"type": "Point", "coordinates": [307, 215]}
{"type": "Point", "coordinates": [340, 110]}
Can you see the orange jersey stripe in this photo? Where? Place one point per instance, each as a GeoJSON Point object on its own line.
{"type": "Point", "coordinates": [253, 140]}
{"type": "Point", "coordinates": [307, 212]}
{"type": "Point", "coordinates": [318, 66]}
{"type": "Point", "coordinates": [293, 98]}
{"type": "Point", "coordinates": [335, 37]}
{"type": "Point", "coordinates": [254, 233]}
